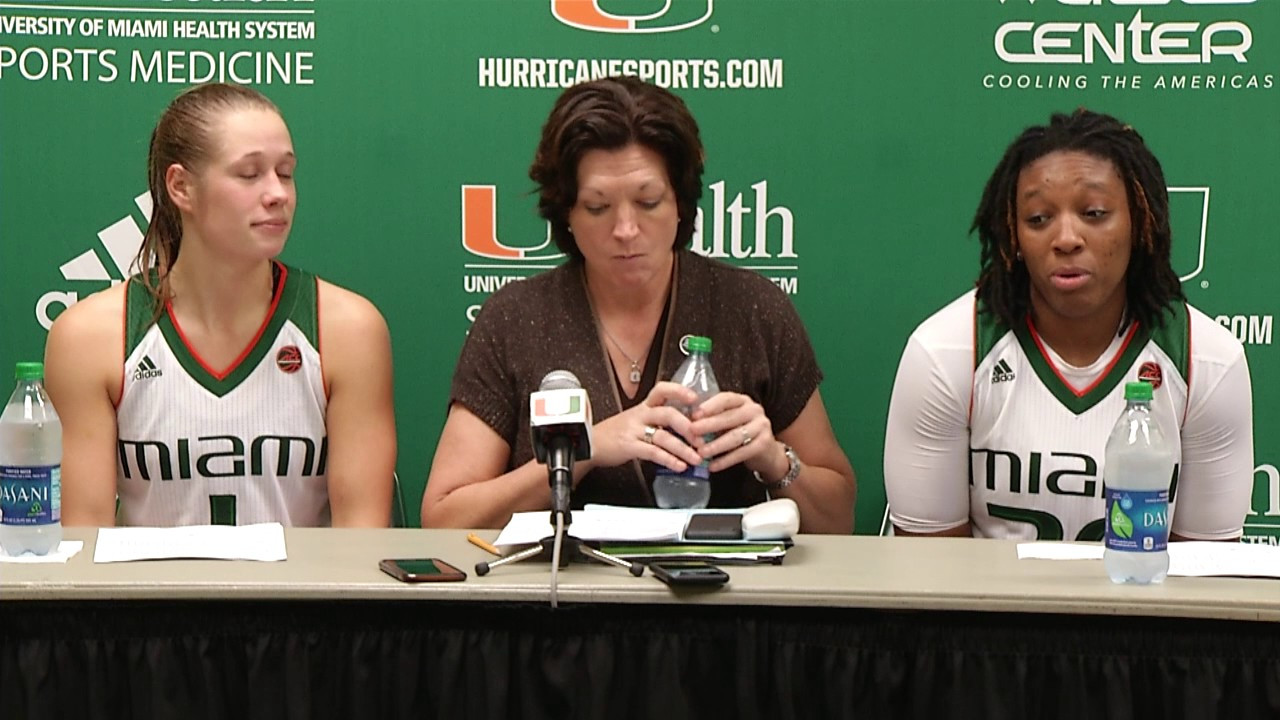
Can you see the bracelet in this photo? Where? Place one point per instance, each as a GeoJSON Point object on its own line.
{"type": "Point", "coordinates": [793, 471]}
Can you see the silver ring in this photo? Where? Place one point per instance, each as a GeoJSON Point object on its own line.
{"type": "Point", "coordinates": [746, 437]}
{"type": "Point", "coordinates": [649, 432]}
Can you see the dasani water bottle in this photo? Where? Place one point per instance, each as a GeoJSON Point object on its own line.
{"type": "Point", "coordinates": [30, 467]}
{"type": "Point", "coordinates": [691, 488]}
{"type": "Point", "coordinates": [1138, 473]}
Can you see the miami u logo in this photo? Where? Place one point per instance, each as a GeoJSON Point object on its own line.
{"type": "Point", "coordinates": [668, 16]}
{"type": "Point", "coordinates": [480, 228]}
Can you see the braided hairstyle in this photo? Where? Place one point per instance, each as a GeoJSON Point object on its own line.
{"type": "Point", "coordinates": [1151, 285]}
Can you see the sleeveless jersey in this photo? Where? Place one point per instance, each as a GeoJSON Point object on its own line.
{"type": "Point", "coordinates": [1037, 439]}
{"type": "Point", "coordinates": [242, 445]}
{"type": "Point", "coordinates": [1035, 428]}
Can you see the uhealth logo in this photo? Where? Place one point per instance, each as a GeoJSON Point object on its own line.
{"type": "Point", "coordinates": [121, 241]}
{"type": "Point", "coordinates": [719, 232]}
{"type": "Point", "coordinates": [659, 16]}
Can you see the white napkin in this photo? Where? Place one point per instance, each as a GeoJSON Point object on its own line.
{"type": "Point", "coordinates": [66, 550]}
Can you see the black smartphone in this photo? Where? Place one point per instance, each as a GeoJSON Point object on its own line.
{"type": "Point", "coordinates": [688, 572]}
{"type": "Point", "coordinates": [421, 570]}
{"type": "Point", "coordinates": [714, 526]}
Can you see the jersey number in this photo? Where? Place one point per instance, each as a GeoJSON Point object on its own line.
{"type": "Point", "coordinates": [222, 509]}
{"type": "Point", "coordinates": [1047, 525]}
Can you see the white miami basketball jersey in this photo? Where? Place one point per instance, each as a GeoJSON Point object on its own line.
{"type": "Point", "coordinates": [1037, 438]}
{"type": "Point", "coordinates": [240, 445]}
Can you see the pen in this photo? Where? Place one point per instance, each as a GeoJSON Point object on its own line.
{"type": "Point", "coordinates": [482, 544]}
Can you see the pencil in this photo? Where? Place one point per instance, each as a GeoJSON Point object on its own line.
{"type": "Point", "coordinates": [482, 544]}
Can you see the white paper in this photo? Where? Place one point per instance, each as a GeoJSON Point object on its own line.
{"type": "Point", "coordinates": [1058, 551]}
{"type": "Point", "coordinates": [264, 542]}
{"type": "Point", "coordinates": [598, 523]}
{"type": "Point", "coordinates": [695, 551]}
{"type": "Point", "coordinates": [1202, 559]}
{"type": "Point", "coordinates": [1186, 559]}
{"type": "Point", "coordinates": [66, 550]}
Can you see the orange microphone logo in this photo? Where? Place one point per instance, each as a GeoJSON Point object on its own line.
{"type": "Point", "coordinates": [665, 16]}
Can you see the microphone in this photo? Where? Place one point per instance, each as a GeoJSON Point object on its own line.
{"type": "Point", "coordinates": [560, 425]}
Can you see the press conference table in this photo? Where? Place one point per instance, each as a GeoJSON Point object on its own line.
{"type": "Point", "coordinates": [846, 627]}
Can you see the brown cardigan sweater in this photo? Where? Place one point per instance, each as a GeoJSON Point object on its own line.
{"type": "Point", "coordinates": [545, 323]}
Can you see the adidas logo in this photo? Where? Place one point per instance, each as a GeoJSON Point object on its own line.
{"type": "Point", "coordinates": [1001, 372]}
{"type": "Point", "coordinates": [146, 369]}
{"type": "Point", "coordinates": [120, 240]}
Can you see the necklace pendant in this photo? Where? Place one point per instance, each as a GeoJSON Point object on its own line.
{"type": "Point", "coordinates": [635, 375]}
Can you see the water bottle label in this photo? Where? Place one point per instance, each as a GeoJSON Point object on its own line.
{"type": "Point", "coordinates": [30, 495]}
{"type": "Point", "coordinates": [1137, 520]}
{"type": "Point", "coordinates": [701, 471]}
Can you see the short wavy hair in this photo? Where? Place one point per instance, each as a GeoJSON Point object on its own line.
{"type": "Point", "coordinates": [609, 114]}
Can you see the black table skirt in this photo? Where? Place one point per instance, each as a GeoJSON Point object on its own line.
{"type": "Point", "coordinates": [480, 660]}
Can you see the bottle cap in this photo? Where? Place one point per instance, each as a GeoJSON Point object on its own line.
{"type": "Point", "coordinates": [29, 371]}
{"type": "Point", "coordinates": [698, 343]}
{"type": "Point", "coordinates": [1140, 390]}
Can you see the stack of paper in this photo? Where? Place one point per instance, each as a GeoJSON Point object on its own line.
{"type": "Point", "coordinates": [637, 534]}
{"type": "Point", "coordinates": [719, 553]}
{"type": "Point", "coordinates": [598, 523]}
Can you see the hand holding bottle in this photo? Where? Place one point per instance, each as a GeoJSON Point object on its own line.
{"type": "Point", "coordinates": [740, 432]}
{"type": "Point", "coordinates": [655, 431]}
{"type": "Point", "coordinates": [690, 487]}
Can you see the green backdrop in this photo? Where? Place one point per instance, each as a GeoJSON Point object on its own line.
{"type": "Point", "coordinates": [848, 142]}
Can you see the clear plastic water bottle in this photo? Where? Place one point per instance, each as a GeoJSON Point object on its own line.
{"type": "Point", "coordinates": [1138, 472]}
{"type": "Point", "coordinates": [691, 488]}
{"type": "Point", "coordinates": [30, 467]}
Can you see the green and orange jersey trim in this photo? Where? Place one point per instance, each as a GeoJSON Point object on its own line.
{"type": "Point", "coordinates": [293, 300]}
{"type": "Point", "coordinates": [1173, 338]}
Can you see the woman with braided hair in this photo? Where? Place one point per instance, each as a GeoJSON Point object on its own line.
{"type": "Point", "coordinates": [1004, 398]}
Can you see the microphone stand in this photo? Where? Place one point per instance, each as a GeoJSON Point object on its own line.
{"type": "Point", "coordinates": [560, 475]}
